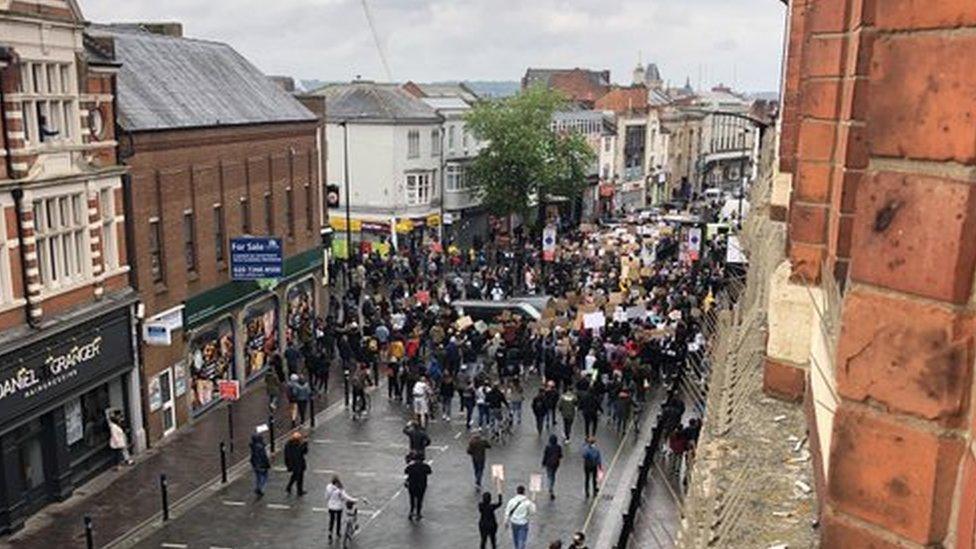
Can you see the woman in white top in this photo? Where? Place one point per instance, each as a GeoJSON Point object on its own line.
{"type": "Point", "coordinates": [335, 499]}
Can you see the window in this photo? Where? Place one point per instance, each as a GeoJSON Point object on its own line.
{"type": "Point", "coordinates": [49, 110]}
{"type": "Point", "coordinates": [269, 213]}
{"type": "Point", "coordinates": [219, 236]}
{"type": "Point", "coordinates": [606, 144]}
{"type": "Point", "coordinates": [290, 211]}
{"type": "Point", "coordinates": [155, 250]}
{"type": "Point", "coordinates": [245, 215]}
{"type": "Point", "coordinates": [189, 241]}
{"type": "Point", "coordinates": [450, 138]}
{"type": "Point", "coordinates": [413, 144]}
{"type": "Point", "coordinates": [464, 138]}
{"type": "Point", "coordinates": [435, 142]}
{"type": "Point", "coordinates": [418, 189]}
{"type": "Point", "coordinates": [110, 246]}
{"type": "Point", "coordinates": [309, 207]}
{"type": "Point", "coordinates": [60, 224]}
{"type": "Point", "coordinates": [455, 178]}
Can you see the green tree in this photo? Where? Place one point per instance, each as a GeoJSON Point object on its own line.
{"type": "Point", "coordinates": [524, 161]}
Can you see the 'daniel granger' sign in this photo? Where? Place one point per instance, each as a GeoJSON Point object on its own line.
{"type": "Point", "coordinates": [54, 367]}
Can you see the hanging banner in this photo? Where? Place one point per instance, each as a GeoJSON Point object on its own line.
{"type": "Point", "coordinates": [694, 243]}
{"type": "Point", "coordinates": [549, 243]}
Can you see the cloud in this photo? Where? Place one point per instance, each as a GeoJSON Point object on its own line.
{"type": "Point", "coordinates": [483, 39]}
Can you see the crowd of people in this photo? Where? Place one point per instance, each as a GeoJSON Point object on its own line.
{"type": "Point", "coordinates": [623, 316]}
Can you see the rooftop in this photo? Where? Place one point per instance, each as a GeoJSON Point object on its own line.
{"type": "Point", "coordinates": [374, 102]}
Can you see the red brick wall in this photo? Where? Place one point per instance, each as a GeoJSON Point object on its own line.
{"type": "Point", "coordinates": [790, 117]}
{"type": "Point", "coordinates": [195, 169]}
{"type": "Point", "coordinates": [883, 192]}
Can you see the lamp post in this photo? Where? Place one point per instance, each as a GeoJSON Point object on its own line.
{"type": "Point", "coordinates": [742, 177]}
{"type": "Point", "coordinates": [345, 178]}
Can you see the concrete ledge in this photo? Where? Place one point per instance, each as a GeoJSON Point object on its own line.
{"type": "Point", "coordinates": [779, 197]}
{"type": "Point", "coordinates": [784, 381]}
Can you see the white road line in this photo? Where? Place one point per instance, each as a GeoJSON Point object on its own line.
{"type": "Point", "coordinates": [364, 474]}
{"type": "Point", "coordinates": [280, 468]}
{"type": "Point", "coordinates": [457, 436]}
{"type": "Point", "coordinates": [219, 547]}
{"type": "Point", "coordinates": [324, 471]}
{"type": "Point", "coordinates": [323, 441]}
{"type": "Point", "coordinates": [384, 506]}
{"type": "Point", "coordinates": [234, 503]}
{"type": "Point", "coordinates": [174, 545]}
{"type": "Point", "coordinates": [361, 443]}
{"type": "Point", "coordinates": [278, 506]}
{"type": "Point", "coordinates": [319, 509]}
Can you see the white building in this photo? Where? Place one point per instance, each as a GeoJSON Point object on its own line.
{"type": "Point", "coordinates": [394, 146]}
{"type": "Point", "coordinates": [600, 133]}
{"type": "Point", "coordinates": [728, 137]}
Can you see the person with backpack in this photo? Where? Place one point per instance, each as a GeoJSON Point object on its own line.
{"type": "Point", "coordinates": [518, 511]}
{"type": "Point", "coordinates": [476, 449]}
{"type": "Point", "coordinates": [260, 464]}
{"type": "Point", "coordinates": [551, 457]}
{"type": "Point", "coordinates": [295, 450]}
{"type": "Point", "coordinates": [592, 463]}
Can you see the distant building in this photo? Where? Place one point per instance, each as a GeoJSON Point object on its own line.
{"type": "Point", "coordinates": [581, 86]}
{"type": "Point", "coordinates": [600, 133]}
{"type": "Point", "coordinates": [215, 150]}
{"type": "Point", "coordinates": [394, 148]}
{"type": "Point", "coordinates": [465, 220]}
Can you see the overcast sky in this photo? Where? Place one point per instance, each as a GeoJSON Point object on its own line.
{"type": "Point", "coordinates": [427, 40]}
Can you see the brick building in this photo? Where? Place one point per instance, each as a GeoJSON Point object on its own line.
{"type": "Point", "coordinates": [66, 306]}
{"type": "Point", "coordinates": [581, 86]}
{"type": "Point", "coordinates": [871, 316]}
{"type": "Point", "coordinates": [216, 150]}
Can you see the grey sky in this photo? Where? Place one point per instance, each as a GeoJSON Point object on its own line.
{"type": "Point", "coordinates": [429, 40]}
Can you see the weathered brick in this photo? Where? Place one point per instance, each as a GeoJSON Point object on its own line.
{"type": "Point", "coordinates": [848, 190]}
{"type": "Point", "coordinates": [838, 533]}
{"type": "Point", "coordinates": [816, 140]}
{"type": "Point", "coordinates": [895, 476]}
{"type": "Point", "coordinates": [966, 527]}
{"type": "Point", "coordinates": [812, 182]}
{"type": "Point", "coordinates": [827, 16]}
{"type": "Point", "coordinates": [806, 260]}
{"type": "Point", "coordinates": [819, 98]}
{"type": "Point", "coordinates": [924, 14]}
{"type": "Point", "coordinates": [851, 141]}
{"type": "Point", "coordinates": [854, 99]}
{"type": "Point", "coordinates": [845, 232]}
{"type": "Point", "coordinates": [922, 97]}
{"type": "Point", "coordinates": [910, 356]}
{"type": "Point", "coordinates": [914, 233]}
{"type": "Point", "coordinates": [784, 381]}
{"type": "Point", "coordinates": [808, 222]}
{"type": "Point", "coordinates": [823, 56]}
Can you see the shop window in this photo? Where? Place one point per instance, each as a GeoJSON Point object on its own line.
{"type": "Point", "coordinates": [86, 425]}
{"type": "Point", "coordinates": [219, 233]}
{"type": "Point", "coordinates": [211, 359]}
{"type": "Point", "coordinates": [60, 224]}
{"type": "Point", "coordinates": [189, 241]}
{"type": "Point", "coordinates": [261, 336]}
{"type": "Point", "coordinates": [301, 312]}
{"type": "Point", "coordinates": [155, 250]}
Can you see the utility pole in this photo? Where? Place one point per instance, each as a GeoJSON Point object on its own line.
{"type": "Point", "coordinates": [345, 177]}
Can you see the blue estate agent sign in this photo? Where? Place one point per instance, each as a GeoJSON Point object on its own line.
{"type": "Point", "coordinates": [253, 258]}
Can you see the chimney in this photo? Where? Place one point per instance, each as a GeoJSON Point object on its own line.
{"type": "Point", "coordinates": [286, 83]}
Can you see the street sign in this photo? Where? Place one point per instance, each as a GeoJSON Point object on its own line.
{"type": "Point", "coordinates": [332, 195]}
{"type": "Point", "coordinates": [230, 389]}
{"type": "Point", "coordinates": [256, 257]}
{"type": "Point", "coordinates": [549, 243]}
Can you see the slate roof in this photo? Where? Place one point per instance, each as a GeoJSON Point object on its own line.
{"type": "Point", "coordinates": [169, 83]}
{"type": "Point", "coordinates": [448, 90]}
{"type": "Point", "coordinates": [544, 76]}
{"type": "Point", "coordinates": [372, 102]}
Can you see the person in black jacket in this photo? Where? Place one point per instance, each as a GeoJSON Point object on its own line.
{"type": "Point", "coordinates": [417, 473]}
{"type": "Point", "coordinates": [539, 409]}
{"type": "Point", "coordinates": [295, 451]}
{"type": "Point", "coordinates": [589, 407]}
{"type": "Point", "coordinates": [260, 463]}
{"type": "Point", "coordinates": [551, 397]}
{"type": "Point", "coordinates": [551, 456]}
{"type": "Point", "coordinates": [487, 524]}
{"type": "Point", "coordinates": [419, 440]}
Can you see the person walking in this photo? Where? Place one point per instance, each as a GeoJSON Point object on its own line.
{"type": "Point", "coordinates": [302, 394]}
{"type": "Point", "coordinates": [517, 513]}
{"type": "Point", "coordinates": [579, 541]}
{"type": "Point", "coordinates": [468, 402]}
{"type": "Point", "coordinates": [551, 398]}
{"type": "Point", "coordinates": [551, 457]}
{"type": "Point", "coordinates": [419, 440]}
{"type": "Point", "coordinates": [592, 463]}
{"type": "Point", "coordinates": [118, 440]}
{"type": "Point", "coordinates": [589, 407]}
{"type": "Point", "coordinates": [567, 409]}
{"type": "Point", "coordinates": [295, 450]}
{"type": "Point", "coordinates": [446, 391]}
{"type": "Point", "coordinates": [336, 498]}
{"type": "Point", "coordinates": [421, 407]}
{"type": "Point", "coordinates": [260, 463]}
{"type": "Point", "coordinates": [476, 449]}
{"type": "Point", "coordinates": [272, 387]}
{"type": "Point", "coordinates": [487, 523]}
{"type": "Point", "coordinates": [516, 395]}
{"type": "Point", "coordinates": [417, 473]}
{"type": "Point", "coordinates": [539, 410]}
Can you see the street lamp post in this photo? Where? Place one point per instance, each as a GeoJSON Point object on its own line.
{"type": "Point", "coordinates": [345, 178]}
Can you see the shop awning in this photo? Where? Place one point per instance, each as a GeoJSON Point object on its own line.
{"type": "Point", "coordinates": [204, 306]}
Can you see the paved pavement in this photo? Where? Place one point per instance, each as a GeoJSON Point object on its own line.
{"type": "Point", "coordinates": [368, 456]}
{"type": "Point", "coordinates": [119, 501]}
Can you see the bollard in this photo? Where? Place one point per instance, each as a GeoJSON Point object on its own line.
{"type": "Point", "coordinates": [223, 462]}
{"type": "Point", "coordinates": [230, 424]}
{"type": "Point", "coordinates": [271, 433]}
{"type": "Point", "coordinates": [89, 537]}
{"type": "Point", "coordinates": [311, 410]}
{"type": "Point", "coordinates": [634, 500]}
{"type": "Point", "coordinates": [162, 488]}
{"type": "Point", "coordinates": [624, 532]}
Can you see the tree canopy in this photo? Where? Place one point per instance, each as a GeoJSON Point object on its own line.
{"type": "Point", "coordinates": [523, 158]}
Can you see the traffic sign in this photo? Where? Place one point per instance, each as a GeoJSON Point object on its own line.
{"type": "Point", "coordinates": [230, 389]}
{"type": "Point", "coordinates": [256, 257]}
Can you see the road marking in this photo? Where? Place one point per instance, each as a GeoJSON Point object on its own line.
{"type": "Point", "coordinates": [279, 468]}
{"type": "Point", "coordinates": [174, 545]}
{"type": "Point", "coordinates": [361, 443]}
{"type": "Point", "coordinates": [278, 506]}
{"type": "Point", "coordinates": [364, 474]}
{"type": "Point", "coordinates": [382, 507]}
{"type": "Point", "coordinates": [319, 509]}
{"type": "Point", "coordinates": [324, 471]}
{"type": "Point", "coordinates": [323, 441]}
{"type": "Point", "coordinates": [440, 448]}
{"type": "Point", "coordinates": [234, 503]}
{"type": "Point", "coordinates": [219, 547]}
{"type": "Point", "coordinates": [457, 436]}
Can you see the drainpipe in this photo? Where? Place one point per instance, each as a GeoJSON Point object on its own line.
{"type": "Point", "coordinates": [18, 195]}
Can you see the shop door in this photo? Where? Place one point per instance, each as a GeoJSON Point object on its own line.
{"type": "Point", "coordinates": [33, 473]}
{"type": "Point", "coordinates": [169, 407]}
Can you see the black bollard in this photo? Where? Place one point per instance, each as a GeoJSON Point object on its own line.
{"type": "Point", "coordinates": [89, 537]}
{"type": "Point", "coordinates": [162, 488]}
{"type": "Point", "coordinates": [311, 411]}
{"type": "Point", "coordinates": [223, 462]}
{"type": "Point", "coordinates": [271, 433]}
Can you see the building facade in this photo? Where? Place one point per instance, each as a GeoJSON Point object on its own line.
{"type": "Point", "coordinates": [581, 86]}
{"type": "Point", "coordinates": [394, 147]}
{"type": "Point", "coordinates": [243, 161]}
{"type": "Point", "coordinates": [66, 305]}
{"type": "Point", "coordinates": [598, 129]}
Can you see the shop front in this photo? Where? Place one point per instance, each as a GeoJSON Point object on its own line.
{"type": "Point", "coordinates": [56, 394]}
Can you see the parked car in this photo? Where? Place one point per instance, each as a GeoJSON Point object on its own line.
{"type": "Point", "coordinates": [529, 308]}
